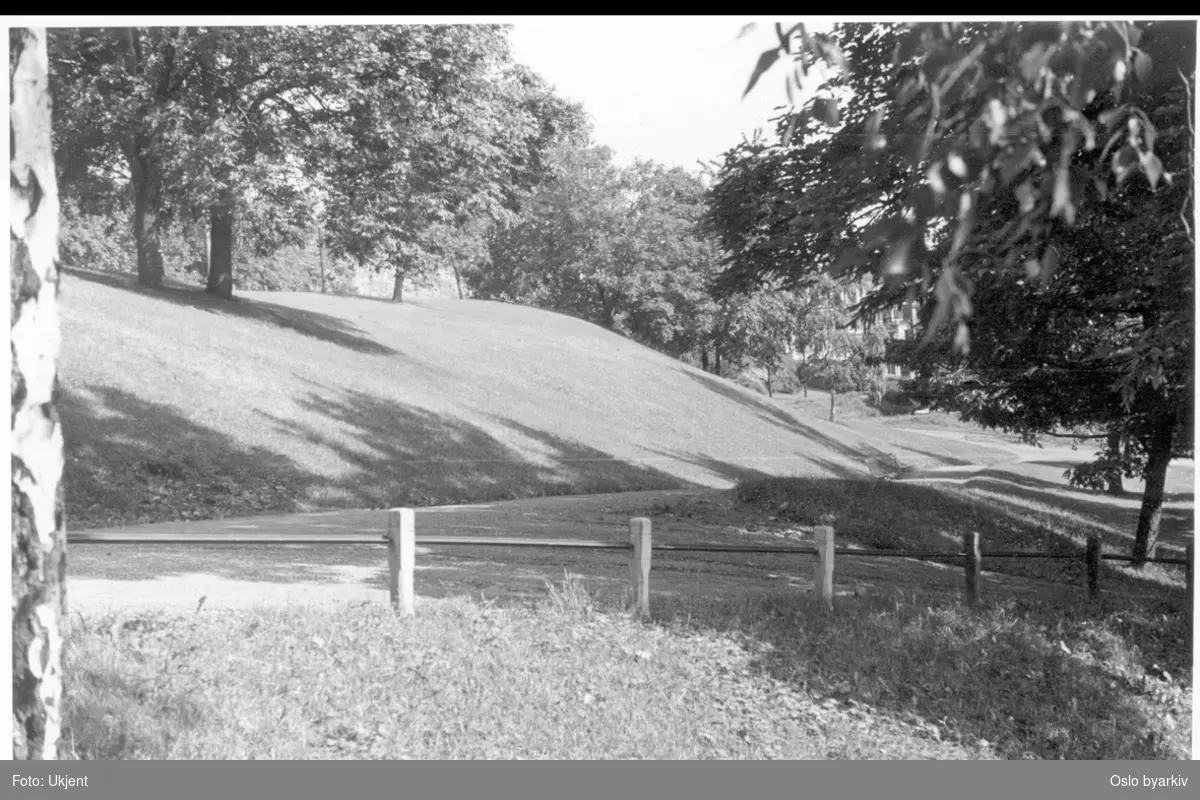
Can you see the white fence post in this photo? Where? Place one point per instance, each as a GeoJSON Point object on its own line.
{"type": "Point", "coordinates": [823, 563]}
{"type": "Point", "coordinates": [402, 551]}
{"type": "Point", "coordinates": [639, 565]}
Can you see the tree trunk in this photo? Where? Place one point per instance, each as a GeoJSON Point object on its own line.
{"type": "Point", "coordinates": [458, 282]}
{"type": "Point", "coordinates": [769, 392]}
{"type": "Point", "coordinates": [832, 395]}
{"type": "Point", "coordinates": [704, 358]}
{"type": "Point", "coordinates": [145, 224]}
{"type": "Point", "coordinates": [398, 287]}
{"type": "Point", "coordinates": [1158, 457]}
{"type": "Point", "coordinates": [718, 359]}
{"type": "Point", "coordinates": [220, 262]}
{"type": "Point", "coordinates": [321, 255]}
{"type": "Point", "coordinates": [1116, 452]}
{"type": "Point", "coordinates": [39, 627]}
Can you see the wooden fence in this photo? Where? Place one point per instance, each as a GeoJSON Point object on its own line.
{"type": "Point", "coordinates": [402, 541]}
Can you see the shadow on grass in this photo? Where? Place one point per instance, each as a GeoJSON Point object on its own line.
{"type": "Point", "coordinates": [392, 447]}
{"type": "Point", "coordinates": [130, 461]}
{"type": "Point", "coordinates": [891, 515]}
{"type": "Point", "coordinates": [777, 416]}
{"type": "Point", "coordinates": [325, 327]}
{"type": "Point", "coordinates": [1116, 519]}
{"type": "Point", "coordinates": [1028, 679]}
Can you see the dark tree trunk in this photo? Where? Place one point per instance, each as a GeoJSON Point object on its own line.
{"type": "Point", "coordinates": [321, 254]}
{"type": "Point", "coordinates": [769, 391]}
{"type": "Point", "coordinates": [220, 262]}
{"type": "Point", "coordinates": [145, 225]}
{"type": "Point", "coordinates": [398, 287]}
{"type": "Point", "coordinates": [458, 282]}
{"type": "Point", "coordinates": [1116, 452]}
{"type": "Point", "coordinates": [718, 359]}
{"type": "Point", "coordinates": [1158, 457]}
{"type": "Point", "coordinates": [39, 566]}
{"type": "Point", "coordinates": [704, 358]}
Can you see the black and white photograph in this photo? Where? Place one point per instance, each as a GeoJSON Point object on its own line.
{"type": "Point", "coordinates": [591, 388]}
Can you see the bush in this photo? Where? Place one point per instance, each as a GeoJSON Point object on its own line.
{"type": "Point", "coordinates": [785, 382]}
{"type": "Point", "coordinates": [290, 269]}
{"type": "Point", "coordinates": [103, 243]}
{"type": "Point", "coordinates": [750, 382]}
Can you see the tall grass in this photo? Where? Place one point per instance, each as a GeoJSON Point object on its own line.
{"type": "Point", "coordinates": [893, 676]}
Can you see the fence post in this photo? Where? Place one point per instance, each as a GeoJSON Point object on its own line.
{"type": "Point", "coordinates": [402, 550]}
{"type": "Point", "coordinates": [971, 566]}
{"type": "Point", "coordinates": [823, 563]}
{"type": "Point", "coordinates": [1093, 566]}
{"type": "Point", "coordinates": [639, 565]}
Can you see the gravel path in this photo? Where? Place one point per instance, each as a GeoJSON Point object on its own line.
{"type": "Point", "coordinates": [355, 574]}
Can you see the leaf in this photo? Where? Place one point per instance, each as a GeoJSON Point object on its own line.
{"type": "Point", "coordinates": [1061, 197]}
{"type": "Point", "coordinates": [1026, 197]}
{"type": "Point", "coordinates": [1143, 66]}
{"type": "Point", "coordinates": [1153, 168]}
{"type": "Point", "coordinates": [765, 61]}
{"type": "Point", "coordinates": [826, 110]}
{"type": "Point", "coordinates": [1034, 60]}
{"type": "Point", "coordinates": [791, 129]}
{"type": "Point", "coordinates": [874, 140]}
{"type": "Point", "coordinates": [747, 29]}
{"type": "Point", "coordinates": [1109, 118]}
{"type": "Point", "coordinates": [1049, 263]}
{"type": "Point", "coordinates": [957, 166]}
{"type": "Point", "coordinates": [897, 260]}
{"type": "Point", "coordinates": [962, 339]}
{"type": "Point", "coordinates": [830, 51]}
{"type": "Point", "coordinates": [1123, 161]}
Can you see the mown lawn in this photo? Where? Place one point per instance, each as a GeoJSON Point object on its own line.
{"type": "Point", "coordinates": [177, 406]}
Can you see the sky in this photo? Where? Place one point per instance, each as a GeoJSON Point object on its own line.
{"type": "Point", "coordinates": [661, 88]}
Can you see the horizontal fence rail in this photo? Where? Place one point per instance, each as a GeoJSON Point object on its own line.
{"type": "Point", "coordinates": [401, 542]}
{"type": "Point", "coordinates": [96, 537]}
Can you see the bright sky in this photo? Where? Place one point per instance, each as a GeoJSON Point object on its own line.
{"type": "Point", "coordinates": [663, 88]}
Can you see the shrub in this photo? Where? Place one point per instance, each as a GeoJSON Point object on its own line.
{"type": "Point", "coordinates": [751, 382]}
{"type": "Point", "coordinates": [99, 242]}
{"type": "Point", "coordinates": [785, 382]}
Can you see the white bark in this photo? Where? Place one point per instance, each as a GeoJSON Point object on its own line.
{"type": "Point", "coordinates": [38, 543]}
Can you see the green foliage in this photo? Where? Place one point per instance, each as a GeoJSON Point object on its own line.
{"type": "Point", "coordinates": [436, 149]}
{"type": "Point", "coordinates": [617, 246]}
{"type": "Point", "coordinates": [100, 242]}
{"type": "Point", "coordinates": [391, 135]}
{"type": "Point", "coordinates": [1032, 183]}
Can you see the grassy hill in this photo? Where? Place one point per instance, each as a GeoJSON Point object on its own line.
{"type": "Point", "coordinates": [178, 406]}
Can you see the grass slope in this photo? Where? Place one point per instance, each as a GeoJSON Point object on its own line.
{"type": "Point", "coordinates": [177, 406]}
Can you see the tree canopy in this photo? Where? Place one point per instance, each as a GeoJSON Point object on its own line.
{"type": "Point", "coordinates": [1031, 183]}
{"type": "Point", "coordinates": [381, 133]}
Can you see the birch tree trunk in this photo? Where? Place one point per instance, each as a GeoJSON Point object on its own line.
{"type": "Point", "coordinates": [38, 539]}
